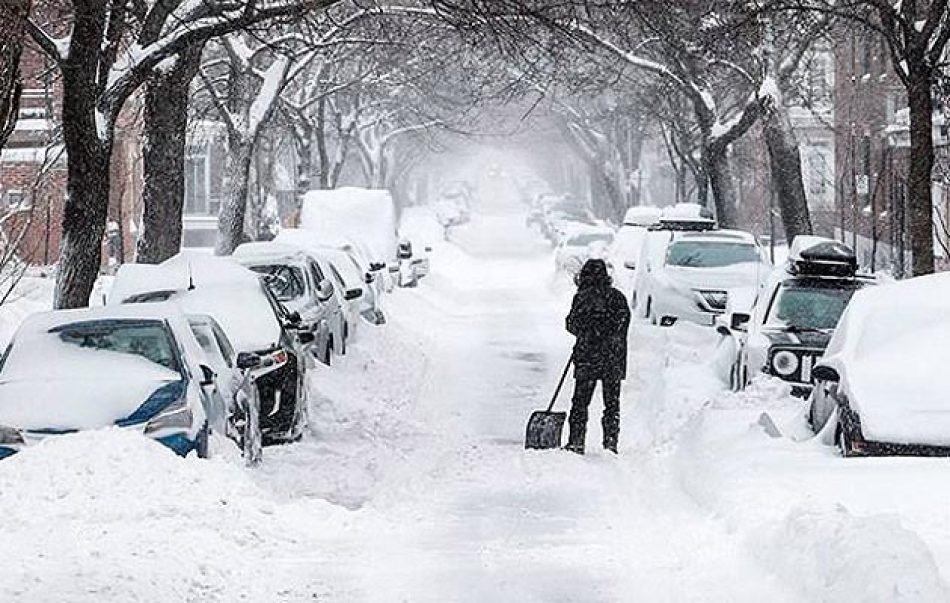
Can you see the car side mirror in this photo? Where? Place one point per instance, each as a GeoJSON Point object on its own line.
{"type": "Point", "coordinates": [824, 372]}
{"type": "Point", "coordinates": [630, 265]}
{"type": "Point", "coordinates": [352, 294]}
{"type": "Point", "coordinates": [247, 360]}
{"type": "Point", "coordinates": [428, 249]}
{"type": "Point", "coordinates": [724, 331]}
{"type": "Point", "coordinates": [740, 321]}
{"type": "Point", "coordinates": [324, 290]}
{"type": "Point", "coordinates": [394, 268]}
{"type": "Point", "coordinates": [294, 318]}
{"type": "Point", "coordinates": [369, 278]}
{"type": "Point", "coordinates": [207, 376]}
{"type": "Point", "coordinates": [377, 266]}
{"type": "Point", "coordinates": [306, 337]}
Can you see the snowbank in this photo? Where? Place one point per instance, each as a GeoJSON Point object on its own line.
{"type": "Point", "coordinates": [831, 555]}
{"type": "Point", "coordinates": [352, 214]}
{"type": "Point", "coordinates": [32, 294]}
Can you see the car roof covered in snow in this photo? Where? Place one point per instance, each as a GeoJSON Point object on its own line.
{"type": "Point", "coordinates": [268, 251]}
{"type": "Point", "coordinates": [224, 289]}
{"type": "Point", "coordinates": [352, 214]}
{"type": "Point", "coordinates": [642, 216]}
{"type": "Point", "coordinates": [44, 321]}
{"type": "Point", "coordinates": [717, 236]}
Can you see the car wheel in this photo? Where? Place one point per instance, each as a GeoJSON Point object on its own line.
{"type": "Point", "coordinates": [201, 442]}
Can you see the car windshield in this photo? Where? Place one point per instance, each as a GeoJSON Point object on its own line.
{"type": "Point", "coordinates": [285, 282]}
{"type": "Point", "coordinates": [148, 339]}
{"type": "Point", "coordinates": [710, 254]}
{"type": "Point", "coordinates": [586, 239]}
{"type": "Point", "coordinates": [809, 307]}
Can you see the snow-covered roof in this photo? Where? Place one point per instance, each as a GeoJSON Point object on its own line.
{"type": "Point", "coordinates": [352, 214]}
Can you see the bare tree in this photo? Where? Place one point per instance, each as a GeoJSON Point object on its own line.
{"type": "Point", "coordinates": [12, 31]}
{"type": "Point", "coordinates": [112, 48]}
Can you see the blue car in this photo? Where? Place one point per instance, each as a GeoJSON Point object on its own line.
{"type": "Point", "coordinates": [136, 367]}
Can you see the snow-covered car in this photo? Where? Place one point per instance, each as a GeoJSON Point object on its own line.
{"type": "Point", "coordinates": [453, 205]}
{"type": "Point", "coordinates": [235, 372]}
{"type": "Point", "coordinates": [696, 273]}
{"type": "Point", "coordinates": [373, 287]}
{"type": "Point", "coordinates": [585, 244]}
{"type": "Point", "coordinates": [882, 385]}
{"type": "Point", "coordinates": [628, 243]}
{"type": "Point", "coordinates": [348, 283]}
{"type": "Point", "coordinates": [250, 315]}
{"type": "Point", "coordinates": [411, 265]}
{"type": "Point", "coordinates": [795, 315]}
{"type": "Point", "coordinates": [302, 286]}
{"type": "Point", "coordinates": [138, 368]}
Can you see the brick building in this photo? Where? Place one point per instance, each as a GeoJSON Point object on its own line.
{"type": "Point", "coordinates": [872, 144]}
{"type": "Point", "coordinates": [33, 173]}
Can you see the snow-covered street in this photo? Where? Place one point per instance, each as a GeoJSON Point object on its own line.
{"type": "Point", "coordinates": [414, 485]}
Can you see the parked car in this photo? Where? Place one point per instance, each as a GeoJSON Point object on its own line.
{"type": "Point", "coordinates": [881, 387]}
{"type": "Point", "coordinates": [349, 283]}
{"type": "Point", "coordinates": [235, 392]}
{"type": "Point", "coordinates": [588, 243]}
{"type": "Point", "coordinates": [373, 287]}
{"type": "Point", "coordinates": [453, 205]}
{"type": "Point", "coordinates": [628, 243]}
{"type": "Point", "coordinates": [138, 368]}
{"type": "Point", "coordinates": [303, 287]}
{"type": "Point", "coordinates": [697, 270]}
{"type": "Point", "coordinates": [250, 315]}
{"type": "Point", "coordinates": [792, 320]}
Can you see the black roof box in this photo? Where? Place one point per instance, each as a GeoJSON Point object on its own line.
{"type": "Point", "coordinates": [817, 256]}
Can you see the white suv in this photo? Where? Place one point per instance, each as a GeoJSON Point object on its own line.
{"type": "Point", "coordinates": [690, 275]}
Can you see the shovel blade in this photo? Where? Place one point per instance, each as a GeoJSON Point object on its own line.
{"type": "Point", "coordinates": [544, 430]}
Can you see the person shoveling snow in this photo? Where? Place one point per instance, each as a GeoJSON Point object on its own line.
{"type": "Point", "coordinates": [599, 319]}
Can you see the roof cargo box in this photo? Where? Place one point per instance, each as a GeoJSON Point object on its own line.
{"type": "Point", "coordinates": [818, 256]}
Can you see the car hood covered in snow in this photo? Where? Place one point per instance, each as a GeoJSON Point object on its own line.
{"type": "Point", "coordinates": [747, 274]}
{"type": "Point", "coordinates": [890, 351]}
{"type": "Point", "coordinates": [90, 392]}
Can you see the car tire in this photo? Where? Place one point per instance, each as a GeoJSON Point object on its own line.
{"type": "Point", "coordinates": [202, 448]}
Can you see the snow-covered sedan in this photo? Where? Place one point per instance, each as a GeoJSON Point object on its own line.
{"type": "Point", "coordinates": [882, 386]}
{"type": "Point", "coordinates": [137, 368]}
{"type": "Point", "coordinates": [301, 284]}
{"type": "Point", "coordinates": [585, 243]}
{"type": "Point", "coordinates": [697, 271]}
{"type": "Point", "coordinates": [250, 315]}
{"type": "Point", "coordinates": [793, 318]}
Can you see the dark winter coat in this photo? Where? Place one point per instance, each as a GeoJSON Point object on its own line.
{"type": "Point", "coordinates": [599, 318]}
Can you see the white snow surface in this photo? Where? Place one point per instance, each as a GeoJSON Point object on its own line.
{"type": "Point", "coordinates": [413, 484]}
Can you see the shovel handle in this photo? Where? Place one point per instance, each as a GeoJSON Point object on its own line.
{"type": "Point", "coordinates": [560, 383]}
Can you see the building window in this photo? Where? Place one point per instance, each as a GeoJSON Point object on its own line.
{"type": "Point", "coordinates": [196, 184]}
{"type": "Point", "coordinates": [17, 200]}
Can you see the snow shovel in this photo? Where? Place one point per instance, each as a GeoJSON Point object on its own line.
{"type": "Point", "coordinates": [545, 427]}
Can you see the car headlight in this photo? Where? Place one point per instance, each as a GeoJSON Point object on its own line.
{"type": "Point", "coordinates": [9, 435]}
{"type": "Point", "coordinates": [785, 363]}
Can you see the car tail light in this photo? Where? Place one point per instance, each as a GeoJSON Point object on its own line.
{"type": "Point", "coordinates": [280, 357]}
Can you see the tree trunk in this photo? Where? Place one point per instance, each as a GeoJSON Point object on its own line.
{"type": "Point", "coordinates": [321, 134]}
{"type": "Point", "coordinates": [87, 203]}
{"type": "Point", "coordinates": [717, 167]}
{"type": "Point", "coordinates": [233, 211]}
{"type": "Point", "coordinates": [163, 160]}
{"type": "Point", "coordinates": [12, 28]}
{"type": "Point", "coordinates": [786, 167]}
{"type": "Point", "coordinates": [89, 151]}
{"type": "Point", "coordinates": [919, 178]}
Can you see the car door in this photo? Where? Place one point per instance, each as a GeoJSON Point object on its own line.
{"type": "Point", "coordinates": [323, 329]}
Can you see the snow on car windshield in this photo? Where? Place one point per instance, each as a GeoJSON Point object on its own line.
{"type": "Point", "coordinates": [586, 239]}
{"type": "Point", "coordinates": [809, 307]}
{"type": "Point", "coordinates": [285, 282]}
{"type": "Point", "coordinates": [147, 339]}
{"type": "Point", "coordinates": [710, 254]}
